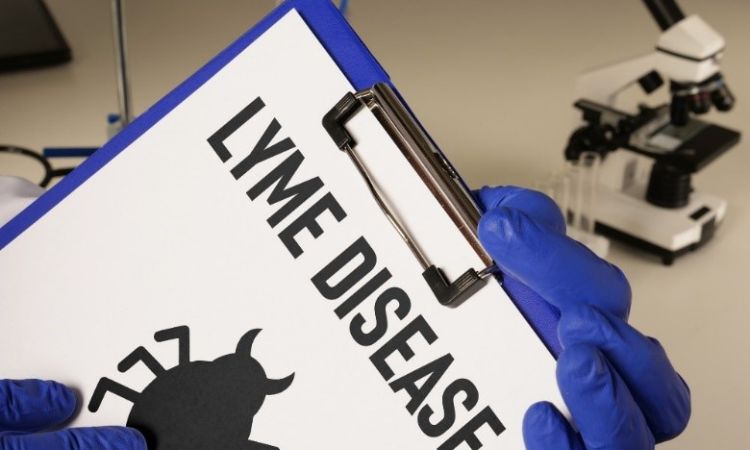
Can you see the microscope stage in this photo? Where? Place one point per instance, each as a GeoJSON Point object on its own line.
{"type": "Point", "coordinates": [690, 147]}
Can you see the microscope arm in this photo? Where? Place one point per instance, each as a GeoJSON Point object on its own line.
{"type": "Point", "coordinates": [604, 85]}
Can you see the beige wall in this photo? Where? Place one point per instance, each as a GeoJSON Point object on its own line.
{"type": "Point", "coordinates": [492, 80]}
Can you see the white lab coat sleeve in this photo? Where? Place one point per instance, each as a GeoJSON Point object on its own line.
{"type": "Point", "coordinates": [15, 195]}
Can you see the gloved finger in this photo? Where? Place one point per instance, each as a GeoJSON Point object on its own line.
{"type": "Point", "coordinates": [605, 413]}
{"type": "Point", "coordinates": [544, 428]}
{"type": "Point", "coordinates": [31, 405]}
{"type": "Point", "coordinates": [531, 304]}
{"type": "Point", "coordinates": [536, 205]}
{"type": "Point", "coordinates": [561, 270]}
{"type": "Point", "coordinates": [657, 388]}
{"type": "Point", "coordinates": [100, 438]}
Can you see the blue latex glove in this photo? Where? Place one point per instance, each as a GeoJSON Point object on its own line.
{"type": "Point", "coordinates": [29, 408]}
{"type": "Point", "coordinates": [618, 384]}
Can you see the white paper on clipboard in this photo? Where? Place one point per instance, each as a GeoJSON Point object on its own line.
{"type": "Point", "coordinates": [165, 236]}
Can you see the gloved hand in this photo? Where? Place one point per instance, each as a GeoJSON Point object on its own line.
{"type": "Point", "coordinates": [618, 384]}
{"type": "Point", "coordinates": [30, 407]}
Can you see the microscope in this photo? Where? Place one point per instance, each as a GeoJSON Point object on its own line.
{"type": "Point", "coordinates": [644, 192]}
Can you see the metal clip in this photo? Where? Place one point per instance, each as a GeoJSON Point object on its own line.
{"type": "Point", "coordinates": [432, 168]}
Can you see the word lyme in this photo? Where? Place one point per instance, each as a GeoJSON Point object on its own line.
{"type": "Point", "coordinates": [458, 419]}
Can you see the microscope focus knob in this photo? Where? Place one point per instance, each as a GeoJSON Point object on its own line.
{"type": "Point", "coordinates": [669, 186]}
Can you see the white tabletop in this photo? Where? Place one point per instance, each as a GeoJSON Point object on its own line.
{"type": "Point", "coordinates": [493, 82]}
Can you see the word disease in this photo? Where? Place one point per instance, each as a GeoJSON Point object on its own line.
{"type": "Point", "coordinates": [460, 422]}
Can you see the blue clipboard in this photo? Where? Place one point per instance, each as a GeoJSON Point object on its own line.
{"type": "Point", "coordinates": [352, 57]}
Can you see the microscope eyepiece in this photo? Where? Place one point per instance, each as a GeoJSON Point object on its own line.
{"type": "Point", "coordinates": [665, 12]}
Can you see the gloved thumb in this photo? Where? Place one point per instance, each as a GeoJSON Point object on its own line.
{"type": "Point", "coordinates": [561, 270]}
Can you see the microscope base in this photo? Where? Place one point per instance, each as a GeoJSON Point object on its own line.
{"type": "Point", "coordinates": [667, 233]}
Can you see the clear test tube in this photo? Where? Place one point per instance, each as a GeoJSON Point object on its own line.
{"type": "Point", "coordinates": [563, 193]}
{"type": "Point", "coordinates": [586, 175]}
{"type": "Point", "coordinates": [558, 187]}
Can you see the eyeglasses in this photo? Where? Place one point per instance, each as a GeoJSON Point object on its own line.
{"type": "Point", "coordinates": [21, 161]}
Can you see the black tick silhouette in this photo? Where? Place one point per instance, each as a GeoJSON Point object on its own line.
{"type": "Point", "coordinates": [197, 405]}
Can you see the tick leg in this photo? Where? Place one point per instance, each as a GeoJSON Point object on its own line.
{"type": "Point", "coordinates": [182, 334]}
{"type": "Point", "coordinates": [252, 445]}
{"type": "Point", "coordinates": [106, 385]}
{"type": "Point", "coordinates": [141, 355]}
